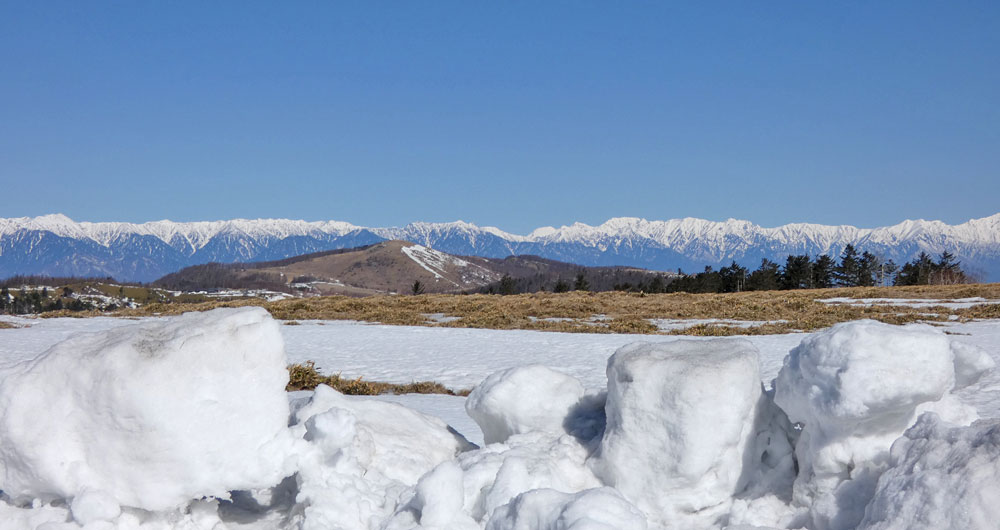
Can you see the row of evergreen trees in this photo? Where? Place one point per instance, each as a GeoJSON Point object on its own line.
{"type": "Point", "coordinates": [853, 269]}
{"type": "Point", "coordinates": [803, 272]}
{"type": "Point", "coordinates": [35, 301]}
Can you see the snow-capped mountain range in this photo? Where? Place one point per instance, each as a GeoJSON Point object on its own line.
{"type": "Point", "coordinates": [56, 245]}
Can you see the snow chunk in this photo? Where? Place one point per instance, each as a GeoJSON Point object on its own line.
{"type": "Point", "coordinates": [971, 363]}
{"type": "Point", "coordinates": [523, 399]}
{"type": "Point", "coordinates": [90, 506]}
{"type": "Point", "coordinates": [144, 414]}
{"type": "Point", "coordinates": [394, 440]}
{"type": "Point", "coordinates": [497, 473]}
{"type": "Point", "coordinates": [363, 456]}
{"type": "Point", "coordinates": [941, 477]}
{"type": "Point", "coordinates": [547, 509]}
{"type": "Point", "coordinates": [679, 418]}
{"type": "Point", "coordinates": [854, 389]}
{"type": "Point", "coordinates": [439, 497]}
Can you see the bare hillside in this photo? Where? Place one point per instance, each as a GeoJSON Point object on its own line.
{"type": "Point", "coordinates": [387, 267]}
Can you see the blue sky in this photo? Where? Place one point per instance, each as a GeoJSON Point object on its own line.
{"type": "Point", "coordinates": [513, 114]}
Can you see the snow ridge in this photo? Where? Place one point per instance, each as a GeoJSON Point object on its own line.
{"type": "Point", "coordinates": [675, 233]}
{"type": "Point", "coordinates": [194, 234]}
{"type": "Point", "coordinates": [145, 251]}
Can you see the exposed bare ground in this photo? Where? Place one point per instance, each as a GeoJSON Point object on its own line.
{"type": "Point", "coordinates": [781, 311]}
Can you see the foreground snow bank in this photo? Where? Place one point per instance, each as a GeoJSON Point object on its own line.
{"type": "Point", "coordinates": [183, 423]}
{"type": "Point", "coordinates": [854, 389]}
{"type": "Point", "coordinates": [148, 416]}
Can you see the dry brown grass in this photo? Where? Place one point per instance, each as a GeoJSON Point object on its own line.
{"type": "Point", "coordinates": [8, 325]}
{"type": "Point", "coordinates": [306, 377]}
{"type": "Point", "coordinates": [625, 312]}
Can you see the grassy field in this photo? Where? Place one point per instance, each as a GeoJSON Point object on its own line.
{"type": "Point", "coordinates": [618, 312]}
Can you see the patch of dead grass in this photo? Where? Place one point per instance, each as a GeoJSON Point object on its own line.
{"type": "Point", "coordinates": [306, 377]}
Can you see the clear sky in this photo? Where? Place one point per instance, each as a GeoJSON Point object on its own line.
{"type": "Point", "coordinates": [513, 114]}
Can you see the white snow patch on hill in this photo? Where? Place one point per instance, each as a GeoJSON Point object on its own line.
{"type": "Point", "coordinates": [440, 265]}
{"type": "Point", "coordinates": [433, 261]}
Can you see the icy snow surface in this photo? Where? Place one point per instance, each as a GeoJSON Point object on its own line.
{"type": "Point", "coordinates": [940, 477]}
{"type": "Point", "coordinates": [182, 423]}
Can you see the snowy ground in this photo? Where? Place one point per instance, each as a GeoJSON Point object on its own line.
{"type": "Point", "coordinates": [672, 324]}
{"type": "Point", "coordinates": [460, 358]}
{"type": "Point", "coordinates": [571, 476]}
{"type": "Point", "coordinates": [958, 303]}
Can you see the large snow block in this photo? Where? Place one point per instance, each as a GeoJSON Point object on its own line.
{"type": "Point", "coordinates": [941, 477]}
{"type": "Point", "coordinates": [149, 415]}
{"type": "Point", "coordinates": [854, 389]}
{"type": "Point", "coordinates": [679, 418]}
{"type": "Point", "coordinates": [523, 399]}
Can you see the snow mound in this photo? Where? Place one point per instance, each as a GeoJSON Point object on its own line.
{"type": "Point", "coordinates": [498, 473]}
{"type": "Point", "coordinates": [854, 389]}
{"type": "Point", "coordinates": [680, 416]}
{"type": "Point", "coordinates": [144, 415]}
{"type": "Point", "coordinates": [523, 399]}
{"type": "Point", "coordinates": [363, 455]}
{"type": "Point", "coordinates": [941, 477]}
{"type": "Point", "coordinates": [547, 509]}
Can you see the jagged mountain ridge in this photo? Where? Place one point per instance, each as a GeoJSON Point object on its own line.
{"type": "Point", "coordinates": [57, 245]}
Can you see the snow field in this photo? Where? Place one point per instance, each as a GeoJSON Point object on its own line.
{"type": "Point", "coordinates": [959, 303]}
{"type": "Point", "coordinates": [182, 422]}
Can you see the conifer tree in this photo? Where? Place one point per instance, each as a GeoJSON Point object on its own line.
{"type": "Point", "coordinates": [846, 272]}
{"type": "Point", "coordinates": [887, 273]}
{"type": "Point", "coordinates": [947, 271]}
{"type": "Point", "coordinates": [916, 272]}
{"type": "Point", "coordinates": [797, 273]}
{"type": "Point", "coordinates": [823, 272]}
{"type": "Point", "coordinates": [766, 278]}
{"type": "Point", "coordinates": [732, 279]}
{"type": "Point", "coordinates": [507, 285]}
{"type": "Point", "coordinates": [868, 267]}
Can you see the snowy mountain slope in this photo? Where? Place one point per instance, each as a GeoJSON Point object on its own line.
{"type": "Point", "coordinates": [57, 245]}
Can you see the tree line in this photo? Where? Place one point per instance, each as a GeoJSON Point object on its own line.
{"type": "Point", "coordinates": [803, 272]}
{"type": "Point", "coordinates": [580, 279]}
{"type": "Point", "coordinates": [25, 301]}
